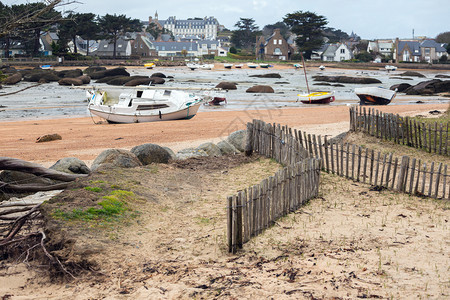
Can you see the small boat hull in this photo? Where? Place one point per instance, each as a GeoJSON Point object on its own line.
{"type": "Point", "coordinates": [374, 96]}
{"type": "Point", "coordinates": [108, 113]}
{"type": "Point", "coordinates": [317, 98]}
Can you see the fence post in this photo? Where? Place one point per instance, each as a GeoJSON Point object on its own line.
{"type": "Point", "coordinates": [249, 140]}
{"type": "Point", "coordinates": [401, 182]}
{"type": "Point", "coordinates": [229, 223]}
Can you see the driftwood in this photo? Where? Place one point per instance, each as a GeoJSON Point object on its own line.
{"type": "Point", "coordinates": [31, 188]}
{"type": "Point", "coordinates": [14, 164]}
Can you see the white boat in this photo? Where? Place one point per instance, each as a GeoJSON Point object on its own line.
{"type": "Point", "coordinates": [239, 66]}
{"type": "Point", "coordinates": [252, 65]}
{"type": "Point", "coordinates": [316, 98]}
{"type": "Point", "coordinates": [206, 66]}
{"type": "Point", "coordinates": [227, 66]}
{"type": "Point", "coordinates": [322, 67]}
{"type": "Point", "coordinates": [375, 95]}
{"type": "Point", "coordinates": [390, 68]}
{"type": "Point", "coordinates": [193, 66]}
{"type": "Point", "coordinates": [262, 65]}
{"type": "Point", "coordinates": [144, 105]}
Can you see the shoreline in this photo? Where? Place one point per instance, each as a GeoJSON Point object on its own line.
{"type": "Point", "coordinates": [85, 140]}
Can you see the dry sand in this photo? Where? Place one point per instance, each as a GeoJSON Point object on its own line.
{"type": "Point", "coordinates": [85, 140]}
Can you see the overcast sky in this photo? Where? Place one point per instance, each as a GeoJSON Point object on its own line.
{"type": "Point", "coordinates": [370, 19]}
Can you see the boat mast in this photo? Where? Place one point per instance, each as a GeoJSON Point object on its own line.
{"type": "Point", "coordinates": [304, 70]}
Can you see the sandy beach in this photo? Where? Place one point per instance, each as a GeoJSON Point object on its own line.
{"type": "Point", "coordinates": [84, 139]}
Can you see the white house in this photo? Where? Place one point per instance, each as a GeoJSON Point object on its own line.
{"type": "Point", "coordinates": [337, 52]}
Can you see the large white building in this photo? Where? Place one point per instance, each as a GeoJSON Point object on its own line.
{"type": "Point", "coordinates": [205, 28]}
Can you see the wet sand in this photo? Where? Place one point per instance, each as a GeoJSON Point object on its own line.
{"type": "Point", "coordinates": [84, 139]}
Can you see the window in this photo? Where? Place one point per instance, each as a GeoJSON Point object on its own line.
{"type": "Point", "coordinates": [277, 51]}
{"type": "Point", "coordinates": [163, 48]}
{"type": "Point", "coordinates": [274, 42]}
{"type": "Point", "coordinates": [280, 42]}
{"type": "Point", "coordinates": [120, 46]}
{"type": "Point", "coordinates": [343, 51]}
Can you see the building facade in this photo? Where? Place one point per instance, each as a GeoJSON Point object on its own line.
{"type": "Point", "coordinates": [273, 48]}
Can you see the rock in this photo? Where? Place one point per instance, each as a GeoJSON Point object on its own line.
{"type": "Point", "coordinates": [71, 165]}
{"type": "Point", "coordinates": [400, 87]}
{"type": "Point", "coordinates": [37, 75]}
{"type": "Point", "coordinates": [323, 83]}
{"type": "Point", "coordinates": [442, 87]}
{"type": "Point", "coordinates": [170, 151]}
{"type": "Point", "coordinates": [70, 73]}
{"type": "Point", "coordinates": [429, 87]}
{"type": "Point", "coordinates": [157, 80]}
{"type": "Point", "coordinates": [85, 79]}
{"type": "Point", "coordinates": [119, 80]}
{"type": "Point", "coordinates": [189, 153]}
{"type": "Point", "coordinates": [159, 75]}
{"type": "Point", "coordinates": [347, 79]}
{"type": "Point", "coordinates": [281, 82]}
{"type": "Point", "coordinates": [338, 138]}
{"type": "Point", "coordinates": [338, 85]}
{"type": "Point", "coordinates": [70, 81]}
{"type": "Point", "coordinates": [412, 74]}
{"type": "Point", "coordinates": [151, 153]}
{"type": "Point", "coordinates": [109, 73]}
{"type": "Point", "coordinates": [260, 89]}
{"type": "Point", "coordinates": [442, 76]}
{"type": "Point", "coordinates": [267, 75]}
{"type": "Point", "coordinates": [13, 79]}
{"type": "Point", "coordinates": [238, 139]}
{"type": "Point", "coordinates": [225, 85]}
{"type": "Point", "coordinates": [116, 158]}
{"type": "Point", "coordinates": [226, 148]}
{"type": "Point", "coordinates": [138, 81]}
{"type": "Point", "coordinates": [8, 70]}
{"type": "Point", "coordinates": [48, 138]}
{"type": "Point", "coordinates": [434, 112]}
{"type": "Point", "coordinates": [211, 149]}
{"type": "Point", "coordinates": [106, 79]}
{"type": "Point", "coordinates": [93, 69]}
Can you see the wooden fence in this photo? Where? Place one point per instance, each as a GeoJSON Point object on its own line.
{"type": "Point", "coordinates": [401, 130]}
{"type": "Point", "coordinates": [256, 208]}
{"type": "Point", "coordinates": [253, 210]}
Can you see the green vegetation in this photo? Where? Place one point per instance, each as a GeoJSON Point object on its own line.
{"type": "Point", "coordinates": [112, 208]}
{"type": "Point", "coordinates": [93, 189]}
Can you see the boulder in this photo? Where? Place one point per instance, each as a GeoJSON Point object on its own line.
{"type": "Point", "coordinates": [157, 80]}
{"type": "Point", "coordinates": [210, 148]}
{"type": "Point", "coordinates": [400, 87]}
{"type": "Point", "coordinates": [70, 73]}
{"type": "Point", "coordinates": [260, 89]}
{"type": "Point", "coordinates": [37, 75]}
{"type": "Point", "coordinates": [238, 139]}
{"type": "Point", "coordinates": [116, 158]}
{"type": "Point", "coordinates": [93, 69]}
{"type": "Point", "coordinates": [225, 85]}
{"type": "Point", "coordinates": [71, 165]}
{"type": "Point", "coordinates": [226, 148]}
{"type": "Point", "coordinates": [151, 153]}
{"type": "Point", "coordinates": [13, 79]}
{"type": "Point", "coordinates": [347, 79]}
{"type": "Point", "coordinates": [8, 70]}
{"type": "Point", "coordinates": [106, 79]}
{"type": "Point", "coordinates": [109, 73]}
{"type": "Point", "coordinates": [85, 79]}
{"type": "Point", "coordinates": [412, 74]}
{"type": "Point", "coordinates": [170, 151]}
{"type": "Point", "coordinates": [442, 76]}
{"type": "Point", "coordinates": [119, 80]}
{"type": "Point", "coordinates": [138, 81]}
{"type": "Point", "coordinates": [70, 81]}
{"type": "Point", "coordinates": [48, 138]}
{"type": "Point", "coordinates": [159, 75]}
{"type": "Point", "coordinates": [429, 87]}
{"type": "Point", "coordinates": [267, 75]}
{"type": "Point", "coordinates": [189, 153]}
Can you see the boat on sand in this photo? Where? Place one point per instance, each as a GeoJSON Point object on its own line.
{"type": "Point", "coordinates": [316, 98]}
{"type": "Point", "coordinates": [374, 95]}
{"type": "Point", "coordinates": [144, 105]}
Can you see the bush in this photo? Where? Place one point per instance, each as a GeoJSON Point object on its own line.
{"type": "Point", "coordinates": [443, 58]}
{"type": "Point", "coordinates": [233, 50]}
{"type": "Point", "coordinates": [208, 56]}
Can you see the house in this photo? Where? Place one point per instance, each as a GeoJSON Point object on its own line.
{"type": "Point", "coordinates": [431, 50]}
{"type": "Point", "coordinates": [317, 54]}
{"type": "Point", "coordinates": [205, 28]}
{"type": "Point", "coordinates": [106, 48]}
{"type": "Point", "coordinates": [337, 52]}
{"type": "Point", "coordinates": [407, 51]}
{"type": "Point", "coordinates": [383, 47]}
{"type": "Point", "coordinates": [143, 46]}
{"type": "Point", "coordinates": [175, 48]}
{"type": "Point", "coordinates": [273, 48]}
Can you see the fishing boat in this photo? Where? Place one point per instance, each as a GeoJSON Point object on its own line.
{"type": "Point", "coordinates": [149, 65]}
{"type": "Point", "coordinates": [264, 65]}
{"type": "Point", "coordinates": [322, 67]}
{"type": "Point", "coordinates": [316, 98]}
{"type": "Point", "coordinates": [252, 65]}
{"type": "Point", "coordinates": [144, 105]}
{"type": "Point", "coordinates": [47, 67]}
{"type": "Point", "coordinates": [227, 66]}
{"type": "Point", "coordinates": [390, 68]}
{"type": "Point", "coordinates": [206, 66]}
{"type": "Point", "coordinates": [238, 66]}
{"type": "Point", "coordinates": [298, 66]}
{"type": "Point", "coordinates": [192, 66]}
{"type": "Point", "coordinates": [375, 95]}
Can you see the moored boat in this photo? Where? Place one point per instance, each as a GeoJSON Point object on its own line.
{"type": "Point", "coordinates": [252, 65]}
{"type": "Point", "coordinates": [264, 65]}
{"type": "Point", "coordinates": [149, 65]}
{"type": "Point", "coordinates": [316, 98]}
{"type": "Point", "coordinates": [374, 95]}
{"type": "Point", "coordinates": [227, 66]}
{"type": "Point", "coordinates": [239, 66]}
{"type": "Point", "coordinates": [144, 105]}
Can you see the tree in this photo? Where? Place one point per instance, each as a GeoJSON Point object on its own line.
{"type": "Point", "coordinates": [335, 35]}
{"type": "Point", "coordinates": [245, 35]}
{"type": "Point", "coordinates": [284, 29]}
{"type": "Point", "coordinates": [309, 30]}
{"type": "Point", "coordinates": [444, 37]}
{"type": "Point", "coordinates": [76, 24]}
{"type": "Point", "coordinates": [88, 29]}
{"type": "Point", "coordinates": [113, 26]}
{"type": "Point", "coordinates": [155, 31]}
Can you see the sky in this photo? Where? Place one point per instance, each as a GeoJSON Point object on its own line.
{"type": "Point", "coordinates": [370, 19]}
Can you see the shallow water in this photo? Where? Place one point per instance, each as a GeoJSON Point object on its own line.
{"type": "Point", "coordinates": [53, 101]}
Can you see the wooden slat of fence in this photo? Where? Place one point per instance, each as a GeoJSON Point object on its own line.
{"type": "Point", "coordinates": [424, 169]}
{"type": "Point", "coordinates": [435, 137]}
{"type": "Point", "coordinates": [234, 225]}
{"type": "Point", "coordinates": [394, 176]}
{"type": "Point", "coordinates": [255, 209]}
{"type": "Point", "coordinates": [319, 140]}
{"type": "Point", "coordinates": [440, 138]}
{"type": "Point", "coordinates": [239, 238]}
{"type": "Point", "coordinates": [245, 212]}
{"type": "Point", "coordinates": [388, 172]}
{"type": "Point", "coordinates": [359, 164]}
{"type": "Point", "coordinates": [341, 146]}
{"type": "Point", "coordinates": [372, 154]}
{"type": "Point", "coordinates": [444, 183]}
{"type": "Point", "coordinates": [431, 179]}
{"type": "Point", "coordinates": [229, 223]}
{"type": "Point", "coordinates": [377, 168]}
{"type": "Point", "coordinates": [438, 177]}
{"type": "Point", "coordinates": [429, 134]}
{"type": "Point", "coordinates": [383, 170]}
{"type": "Point", "coordinates": [347, 158]}
{"type": "Point", "coordinates": [250, 212]}
{"type": "Point", "coordinates": [331, 157]}
{"type": "Point", "coordinates": [411, 180]}
{"type": "Point", "coordinates": [353, 161]}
